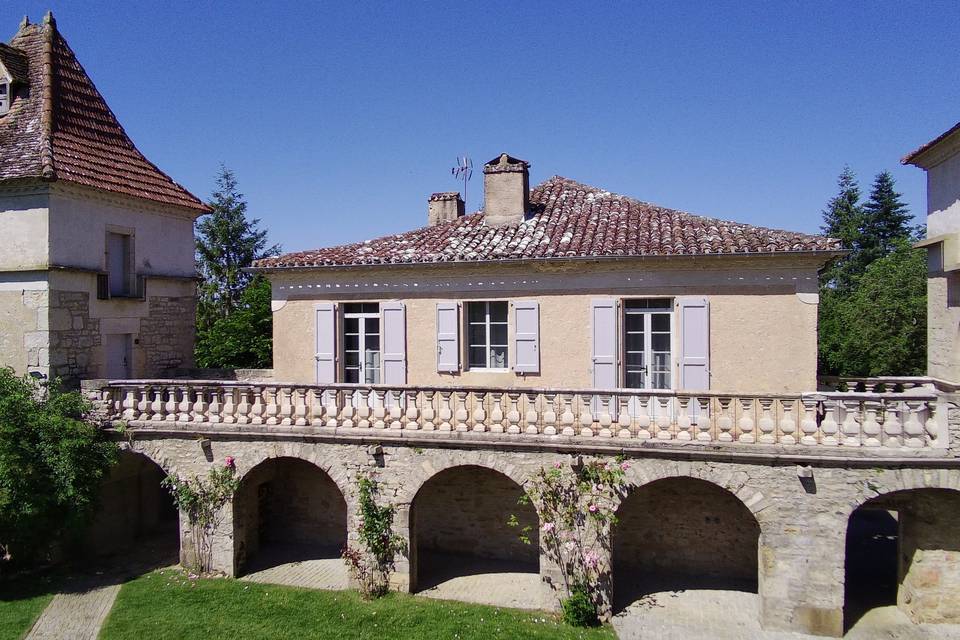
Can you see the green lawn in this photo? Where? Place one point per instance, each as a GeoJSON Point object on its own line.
{"type": "Point", "coordinates": [20, 604]}
{"type": "Point", "coordinates": [167, 605]}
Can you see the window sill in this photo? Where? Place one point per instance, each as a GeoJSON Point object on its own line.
{"type": "Point", "coordinates": [486, 370]}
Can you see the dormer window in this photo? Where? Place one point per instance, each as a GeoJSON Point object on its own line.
{"type": "Point", "coordinates": [4, 95]}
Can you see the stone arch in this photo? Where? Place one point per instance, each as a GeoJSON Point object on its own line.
{"type": "Point", "coordinates": [287, 509]}
{"type": "Point", "coordinates": [135, 512]}
{"type": "Point", "coordinates": [901, 549]}
{"type": "Point", "coordinates": [331, 465]}
{"type": "Point", "coordinates": [458, 525]}
{"type": "Point", "coordinates": [679, 532]}
{"type": "Point", "coordinates": [430, 467]}
{"type": "Point", "coordinates": [895, 480]}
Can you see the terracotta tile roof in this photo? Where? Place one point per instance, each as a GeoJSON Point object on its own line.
{"type": "Point", "coordinates": [914, 156]}
{"type": "Point", "coordinates": [59, 127]}
{"type": "Point", "coordinates": [568, 220]}
{"type": "Point", "coordinates": [15, 62]}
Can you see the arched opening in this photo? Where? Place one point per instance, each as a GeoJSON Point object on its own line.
{"type": "Point", "coordinates": [289, 511]}
{"type": "Point", "coordinates": [459, 530]}
{"type": "Point", "coordinates": [903, 552]}
{"type": "Point", "coordinates": [681, 534]}
{"type": "Point", "coordinates": [135, 516]}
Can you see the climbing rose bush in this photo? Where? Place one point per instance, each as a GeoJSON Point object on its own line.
{"type": "Point", "coordinates": [372, 562]}
{"type": "Point", "coordinates": [577, 508]}
{"type": "Point", "coordinates": [202, 502]}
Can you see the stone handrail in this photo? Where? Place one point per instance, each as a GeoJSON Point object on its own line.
{"type": "Point", "coordinates": [892, 420]}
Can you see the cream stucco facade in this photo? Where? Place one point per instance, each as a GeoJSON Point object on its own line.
{"type": "Point", "coordinates": [762, 315]}
{"type": "Point", "coordinates": [52, 320]}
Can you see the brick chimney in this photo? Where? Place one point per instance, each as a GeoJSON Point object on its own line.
{"type": "Point", "coordinates": [444, 207]}
{"type": "Point", "coordinates": [506, 191]}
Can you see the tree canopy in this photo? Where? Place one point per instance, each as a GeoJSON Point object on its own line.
{"type": "Point", "coordinates": [243, 339]}
{"type": "Point", "coordinates": [52, 463]}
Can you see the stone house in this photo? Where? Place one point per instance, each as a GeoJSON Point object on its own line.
{"type": "Point", "coordinates": [940, 158]}
{"type": "Point", "coordinates": [562, 286]}
{"type": "Point", "coordinates": [97, 275]}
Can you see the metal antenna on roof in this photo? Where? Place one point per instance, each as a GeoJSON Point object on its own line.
{"type": "Point", "coordinates": [463, 171]}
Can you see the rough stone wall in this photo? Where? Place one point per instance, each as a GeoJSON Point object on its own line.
{"type": "Point", "coordinates": [943, 325]}
{"type": "Point", "coordinates": [290, 502]}
{"type": "Point", "coordinates": [73, 336]}
{"type": "Point", "coordinates": [681, 534]}
{"type": "Point", "coordinates": [465, 511]}
{"type": "Point", "coordinates": [167, 334]}
{"type": "Point", "coordinates": [802, 523]}
{"type": "Point", "coordinates": [24, 316]}
{"type": "Point", "coordinates": [930, 557]}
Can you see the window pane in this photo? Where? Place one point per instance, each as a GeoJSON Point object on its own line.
{"type": "Point", "coordinates": [498, 334]}
{"type": "Point", "coordinates": [372, 376]}
{"type": "Point", "coordinates": [351, 342]}
{"type": "Point", "coordinates": [478, 357]}
{"type": "Point", "coordinates": [634, 380]}
{"type": "Point", "coordinates": [476, 311]}
{"type": "Point", "coordinates": [661, 341]}
{"type": "Point", "coordinates": [498, 312]}
{"type": "Point", "coordinates": [352, 307]}
{"type": "Point", "coordinates": [661, 380]}
{"type": "Point", "coordinates": [634, 342]}
{"type": "Point", "coordinates": [661, 361]}
{"type": "Point", "coordinates": [371, 325]}
{"type": "Point", "coordinates": [633, 322]}
{"type": "Point", "coordinates": [498, 357]}
{"type": "Point", "coordinates": [351, 359]}
{"type": "Point", "coordinates": [634, 360]}
{"type": "Point", "coordinates": [351, 325]}
{"type": "Point", "coordinates": [478, 335]}
{"type": "Point", "coordinates": [372, 343]}
{"type": "Point", "coordinates": [351, 375]}
{"type": "Point", "coordinates": [370, 307]}
{"type": "Point", "coordinates": [661, 322]}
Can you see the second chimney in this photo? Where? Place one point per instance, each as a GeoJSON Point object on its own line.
{"type": "Point", "coordinates": [444, 207]}
{"type": "Point", "coordinates": [506, 191]}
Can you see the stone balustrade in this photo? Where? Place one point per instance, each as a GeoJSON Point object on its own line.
{"type": "Point", "coordinates": [912, 420]}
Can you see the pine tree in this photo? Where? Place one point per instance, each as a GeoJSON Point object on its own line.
{"type": "Point", "coordinates": [227, 242]}
{"type": "Point", "coordinates": [885, 221]}
{"type": "Point", "coordinates": [842, 220]}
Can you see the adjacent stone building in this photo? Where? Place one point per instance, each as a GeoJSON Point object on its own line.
{"type": "Point", "coordinates": [97, 275]}
{"type": "Point", "coordinates": [940, 158]}
{"type": "Point", "coordinates": [565, 286]}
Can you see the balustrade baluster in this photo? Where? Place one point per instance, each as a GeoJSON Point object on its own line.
{"type": "Point", "coordinates": [184, 407]}
{"type": "Point", "coordinates": [461, 413]}
{"type": "Point", "coordinates": [663, 418]}
{"type": "Point", "coordinates": [286, 406]}
{"type": "Point", "coordinates": [272, 409]}
{"type": "Point", "coordinates": [429, 414]}
{"type": "Point", "coordinates": [830, 427]}
{"type": "Point", "coordinates": [871, 426]}
{"type": "Point", "coordinates": [932, 429]}
{"type": "Point", "coordinates": [363, 410]}
{"type": "Point", "coordinates": [725, 420]}
{"type": "Point", "coordinates": [684, 421]}
{"type": "Point", "coordinates": [412, 413]}
{"type": "Point", "coordinates": [348, 410]}
{"type": "Point", "coordinates": [746, 424]}
{"type": "Point", "coordinates": [229, 409]}
{"type": "Point", "coordinates": [158, 407]}
{"type": "Point", "coordinates": [479, 414]}
{"type": "Point", "coordinates": [496, 412]}
{"type": "Point", "coordinates": [605, 419]}
{"type": "Point", "coordinates": [808, 422]}
{"type": "Point", "coordinates": [396, 409]}
{"type": "Point", "coordinates": [300, 407]}
{"type": "Point", "coordinates": [624, 420]}
{"type": "Point", "coordinates": [567, 418]}
{"type": "Point", "coordinates": [531, 417]}
{"type": "Point", "coordinates": [550, 414]}
{"type": "Point", "coordinates": [703, 421]}
{"type": "Point", "coordinates": [586, 415]}
{"type": "Point", "coordinates": [170, 407]}
{"type": "Point", "coordinates": [128, 403]}
{"type": "Point", "coordinates": [214, 409]}
{"type": "Point", "coordinates": [892, 426]}
{"type": "Point", "coordinates": [788, 422]}
{"type": "Point", "coordinates": [644, 418]}
{"type": "Point", "coordinates": [199, 406]}
{"type": "Point", "coordinates": [446, 411]}
{"type": "Point", "coordinates": [143, 405]}
{"type": "Point", "coordinates": [331, 407]}
{"type": "Point", "coordinates": [244, 407]}
{"type": "Point", "coordinates": [379, 409]}
{"type": "Point", "coordinates": [851, 427]}
{"type": "Point", "coordinates": [914, 426]}
{"type": "Point", "coordinates": [767, 422]}
{"type": "Point", "coordinates": [513, 413]}
{"type": "Point", "coordinates": [256, 408]}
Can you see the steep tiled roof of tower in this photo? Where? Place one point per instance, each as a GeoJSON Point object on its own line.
{"type": "Point", "coordinates": [59, 127]}
{"type": "Point", "coordinates": [568, 220]}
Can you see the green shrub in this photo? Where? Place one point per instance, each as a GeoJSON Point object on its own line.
{"type": "Point", "coordinates": [579, 609]}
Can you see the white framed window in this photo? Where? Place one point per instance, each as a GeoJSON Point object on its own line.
{"type": "Point", "coordinates": [4, 95]}
{"type": "Point", "coordinates": [120, 264]}
{"type": "Point", "coordinates": [487, 337]}
{"type": "Point", "coordinates": [648, 343]}
{"type": "Point", "coordinates": [361, 343]}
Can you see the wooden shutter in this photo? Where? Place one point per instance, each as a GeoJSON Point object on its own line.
{"type": "Point", "coordinates": [394, 322]}
{"type": "Point", "coordinates": [326, 354]}
{"type": "Point", "coordinates": [526, 336]}
{"type": "Point", "coordinates": [694, 343]}
{"type": "Point", "coordinates": [448, 337]}
{"type": "Point", "coordinates": [604, 330]}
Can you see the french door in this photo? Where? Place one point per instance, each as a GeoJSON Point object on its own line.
{"type": "Point", "coordinates": [648, 343]}
{"type": "Point", "coordinates": [361, 343]}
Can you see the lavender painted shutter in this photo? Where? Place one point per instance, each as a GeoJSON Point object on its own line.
{"type": "Point", "coordinates": [448, 337]}
{"type": "Point", "coordinates": [394, 343]}
{"type": "Point", "coordinates": [526, 336]}
{"type": "Point", "coordinates": [326, 354]}
{"type": "Point", "coordinates": [604, 327]}
{"type": "Point", "coordinates": [694, 343]}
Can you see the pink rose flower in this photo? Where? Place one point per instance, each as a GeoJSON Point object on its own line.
{"type": "Point", "coordinates": [548, 527]}
{"type": "Point", "coordinates": [592, 508]}
{"type": "Point", "coordinates": [624, 466]}
{"type": "Point", "coordinates": [557, 465]}
{"type": "Point", "coordinates": [228, 461]}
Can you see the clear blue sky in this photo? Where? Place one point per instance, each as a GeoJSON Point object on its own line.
{"type": "Point", "coordinates": [341, 118]}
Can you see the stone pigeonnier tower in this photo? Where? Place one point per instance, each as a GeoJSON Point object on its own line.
{"type": "Point", "coordinates": [97, 275]}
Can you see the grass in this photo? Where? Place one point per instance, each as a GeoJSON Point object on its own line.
{"type": "Point", "coordinates": [166, 605]}
{"type": "Point", "coordinates": [21, 602]}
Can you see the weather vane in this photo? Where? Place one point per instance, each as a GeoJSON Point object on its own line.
{"type": "Point", "coordinates": [463, 171]}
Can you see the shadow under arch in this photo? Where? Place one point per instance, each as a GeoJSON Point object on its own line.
{"type": "Point", "coordinates": [459, 526]}
{"type": "Point", "coordinates": [287, 509]}
{"type": "Point", "coordinates": [135, 516]}
{"type": "Point", "coordinates": [896, 548]}
{"type": "Point", "coordinates": [682, 533]}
